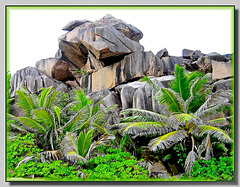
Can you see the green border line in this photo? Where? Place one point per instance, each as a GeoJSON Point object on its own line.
{"type": "Point", "coordinates": [123, 7]}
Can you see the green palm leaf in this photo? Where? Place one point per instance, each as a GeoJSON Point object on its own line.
{"type": "Point", "coordinates": [45, 117]}
{"type": "Point", "coordinates": [145, 115]}
{"type": "Point", "coordinates": [180, 84]}
{"type": "Point", "coordinates": [32, 124]}
{"type": "Point", "coordinates": [172, 99]}
{"type": "Point", "coordinates": [146, 128]}
{"type": "Point", "coordinates": [167, 140]}
{"type": "Point", "coordinates": [25, 103]}
{"type": "Point", "coordinates": [44, 95]}
{"type": "Point", "coordinates": [84, 142]}
{"type": "Point", "coordinates": [201, 130]}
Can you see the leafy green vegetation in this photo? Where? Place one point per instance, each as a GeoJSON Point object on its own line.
{"type": "Point", "coordinates": [215, 169]}
{"type": "Point", "coordinates": [68, 136]}
{"type": "Point", "coordinates": [115, 165]}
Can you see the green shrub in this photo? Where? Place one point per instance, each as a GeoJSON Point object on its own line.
{"type": "Point", "coordinates": [115, 165]}
{"type": "Point", "coordinates": [55, 170]}
{"type": "Point", "coordinates": [18, 148]}
{"type": "Point", "coordinates": [217, 170]}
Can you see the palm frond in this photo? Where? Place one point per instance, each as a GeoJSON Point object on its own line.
{"type": "Point", "coordinates": [101, 141]}
{"type": "Point", "coordinates": [191, 158]}
{"type": "Point", "coordinates": [72, 122]}
{"type": "Point", "coordinates": [145, 115]}
{"type": "Point", "coordinates": [180, 84]}
{"type": "Point", "coordinates": [201, 130]}
{"type": "Point", "coordinates": [212, 112]}
{"type": "Point", "coordinates": [147, 128]}
{"type": "Point", "coordinates": [50, 98]}
{"type": "Point", "coordinates": [172, 99]}
{"type": "Point", "coordinates": [167, 140]}
{"type": "Point", "coordinates": [44, 95]}
{"type": "Point", "coordinates": [51, 155]}
{"type": "Point", "coordinates": [32, 124]}
{"type": "Point", "coordinates": [69, 144]}
{"type": "Point", "coordinates": [183, 117]}
{"type": "Point", "coordinates": [25, 103]}
{"type": "Point", "coordinates": [219, 122]}
{"type": "Point", "coordinates": [44, 116]}
{"type": "Point", "coordinates": [72, 156]}
{"type": "Point", "coordinates": [84, 142]}
{"type": "Point", "coordinates": [15, 123]}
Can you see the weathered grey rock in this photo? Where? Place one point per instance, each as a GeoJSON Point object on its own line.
{"type": "Point", "coordinates": [33, 79]}
{"type": "Point", "coordinates": [223, 85]}
{"type": "Point", "coordinates": [86, 83]}
{"type": "Point", "coordinates": [191, 54]}
{"type": "Point", "coordinates": [162, 53]}
{"type": "Point", "coordinates": [71, 25]}
{"type": "Point", "coordinates": [169, 64]}
{"type": "Point", "coordinates": [103, 41]}
{"type": "Point", "coordinates": [127, 29]}
{"type": "Point", "coordinates": [204, 63]}
{"type": "Point", "coordinates": [110, 100]}
{"type": "Point", "coordinates": [142, 97]}
{"type": "Point", "coordinates": [221, 70]}
{"type": "Point", "coordinates": [139, 94]}
{"type": "Point", "coordinates": [46, 65]}
{"type": "Point", "coordinates": [133, 66]}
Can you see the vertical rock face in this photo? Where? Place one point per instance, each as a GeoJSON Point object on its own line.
{"type": "Point", "coordinates": [133, 66]}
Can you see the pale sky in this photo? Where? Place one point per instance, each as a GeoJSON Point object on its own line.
{"type": "Point", "coordinates": [33, 34]}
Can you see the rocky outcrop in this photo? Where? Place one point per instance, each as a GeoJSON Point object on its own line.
{"type": "Point", "coordinates": [104, 57]}
{"type": "Point", "coordinates": [33, 79]}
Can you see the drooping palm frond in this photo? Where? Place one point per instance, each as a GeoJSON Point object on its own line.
{"type": "Point", "coordinates": [167, 140]}
{"type": "Point", "coordinates": [180, 84]}
{"type": "Point", "coordinates": [212, 112]}
{"type": "Point", "coordinates": [145, 115]}
{"type": "Point", "coordinates": [25, 103]}
{"type": "Point", "coordinates": [206, 146]}
{"type": "Point", "coordinates": [102, 140]}
{"type": "Point", "coordinates": [201, 130]}
{"type": "Point", "coordinates": [191, 158]}
{"type": "Point", "coordinates": [172, 99]}
{"type": "Point", "coordinates": [44, 116]}
{"type": "Point", "coordinates": [219, 122]}
{"type": "Point", "coordinates": [144, 128]}
{"type": "Point", "coordinates": [16, 124]}
{"type": "Point", "coordinates": [33, 125]}
{"type": "Point", "coordinates": [51, 155]}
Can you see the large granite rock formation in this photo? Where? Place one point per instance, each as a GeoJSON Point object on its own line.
{"type": "Point", "coordinates": [105, 59]}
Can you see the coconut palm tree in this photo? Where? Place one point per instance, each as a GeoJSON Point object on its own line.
{"type": "Point", "coordinates": [186, 121]}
